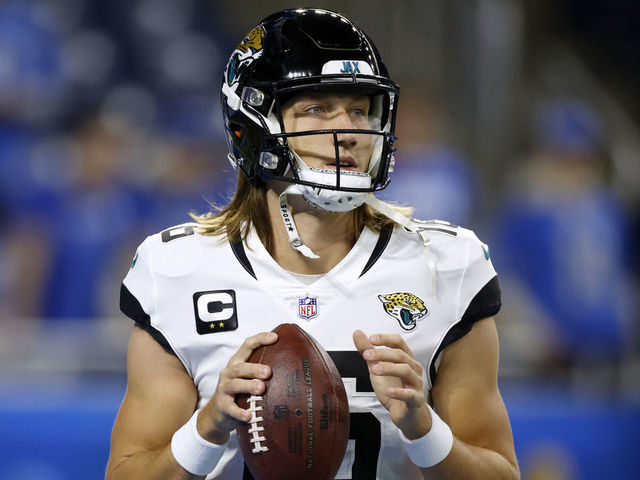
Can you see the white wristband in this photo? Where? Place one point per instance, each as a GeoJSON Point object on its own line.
{"type": "Point", "coordinates": [195, 454]}
{"type": "Point", "coordinates": [432, 448]}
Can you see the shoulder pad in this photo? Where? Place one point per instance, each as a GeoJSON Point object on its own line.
{"type": "Point", "coordinates": [176, 251]}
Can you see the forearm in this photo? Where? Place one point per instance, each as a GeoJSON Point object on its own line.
{"type": "Point", "coordinates": [149, 465]}
{"type": "Point", "coordinates": [470, 462]}
{"type": "Point", "coordinates": [467, 400]}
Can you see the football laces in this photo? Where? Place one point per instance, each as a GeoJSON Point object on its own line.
{"type": "Point", "coordinates": [255, 430]}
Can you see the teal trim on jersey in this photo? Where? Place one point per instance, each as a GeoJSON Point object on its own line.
{"type": "Point", "coordinates": [135, 259]}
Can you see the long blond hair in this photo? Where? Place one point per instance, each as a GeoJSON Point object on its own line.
{"type": "Point", "coordinates": [248, 208]}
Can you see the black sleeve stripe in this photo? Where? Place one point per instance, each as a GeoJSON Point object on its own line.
{"type": "Point", "coordinates": [131, 307]}
{"type": "Point", "coordinates": [383, 241]}
{"type": "Point", "coordinates": [486, 303]}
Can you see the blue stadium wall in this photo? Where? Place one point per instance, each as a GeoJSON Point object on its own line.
{"type": "Point", "coordinates": [61, 432]}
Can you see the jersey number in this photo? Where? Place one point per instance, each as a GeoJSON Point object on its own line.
{"type": "Point", "coordinates": [364, 427]}
{"type": "Point", "coordinates": [176, 232]}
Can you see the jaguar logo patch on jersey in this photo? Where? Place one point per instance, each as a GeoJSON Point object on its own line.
{"type": "Point", "coordinates": [245, 53]}
{"type": "Point", "coordinates": [406, 308]}
{"type": "Point", "coordinates": [215, 311]}
{"type": "Point", "coordinates": [308, 307]}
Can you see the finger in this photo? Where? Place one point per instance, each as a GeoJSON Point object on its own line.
{"type": "Point", "coordinates": [399, 370]}
{"type": "Point", "coordinates": [391, 340]}
{"type": "Point", "coordinates": [361, 341]}
{"type": "Point", "coordinates": [392, 355]}
{"type": "Point", "coordinates": [413, 398]}
{"type": "Point", "coordinates": [231, 409]}
{"type": "Point", "coordinates": [247, 370]}
{"type": "Point", "coordinates": [237, 386]}
{"type": "Point", "coordinates": [250, 344]}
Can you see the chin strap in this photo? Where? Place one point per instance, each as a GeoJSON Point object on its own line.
{"type": "Point", "coordinates": [397, 217]}
{"type": "Point", "coordinates": [290, 226]}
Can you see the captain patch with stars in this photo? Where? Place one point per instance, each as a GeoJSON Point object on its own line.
{"type": "Point", "coordinates": [215, 311]}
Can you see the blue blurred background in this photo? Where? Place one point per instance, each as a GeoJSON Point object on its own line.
{"type": "Point", "coordinates": [518, 119]}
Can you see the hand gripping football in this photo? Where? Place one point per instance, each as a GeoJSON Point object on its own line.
{"type": "Point", "coordinates": [300, 424]}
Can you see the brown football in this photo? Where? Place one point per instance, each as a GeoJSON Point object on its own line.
{"type": "Point", "coordinates": [300, 424]}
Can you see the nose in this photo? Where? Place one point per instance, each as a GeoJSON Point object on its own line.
{"type": "Point", "coordinates": [343, 121]}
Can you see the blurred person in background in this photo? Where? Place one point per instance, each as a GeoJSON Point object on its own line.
{"type": "Point", "coordinates": [564, 243]}
{"type": "Point", "coordinates": [30, 84]}
{"type": "Point", "coordinates": [79, 122]}
{"type": "Point", "coordinates": [92, 218]}
{"type": "Point", "coordinates": [186, 169]}
{"type": "Point", "coordinates": [78, 210]}
{"type": "Point", "coordinates": [430, 175]}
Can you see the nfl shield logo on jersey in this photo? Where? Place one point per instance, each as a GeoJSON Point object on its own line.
{"type": "Point", "coordinates": [307, 307]}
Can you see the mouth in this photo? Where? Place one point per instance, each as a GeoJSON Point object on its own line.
{"type": "Point", "coordinates": [348, 164]}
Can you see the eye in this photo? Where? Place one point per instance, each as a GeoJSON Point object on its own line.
{"type": "Point", "coordinates": [359, 112]}
{"type": "Point", "coordinates": [314, 110]}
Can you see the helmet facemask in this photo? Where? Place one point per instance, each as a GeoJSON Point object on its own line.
{"type": "Point", "coordinates": [339, 189]}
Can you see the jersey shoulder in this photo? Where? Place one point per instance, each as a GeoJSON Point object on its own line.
{"type": "Point", "coordinates": [170, 254]}
{"type": "Point", "coordinates": [178, 250]}
{"type": "Point", "coordinates": [454, 247]}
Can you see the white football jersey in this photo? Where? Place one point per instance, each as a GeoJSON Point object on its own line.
{"type": "Point", "coordinates": [201, 297]}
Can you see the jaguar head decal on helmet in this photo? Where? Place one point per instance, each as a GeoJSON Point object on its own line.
{"type": "Point", "coordinates": [246, 52]}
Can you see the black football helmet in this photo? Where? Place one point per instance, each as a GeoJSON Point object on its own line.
{"type": "Point", "coordinates": [293, 51]}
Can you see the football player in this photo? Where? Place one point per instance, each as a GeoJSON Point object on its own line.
{"type": "Point", "coordinates": [403, 307]}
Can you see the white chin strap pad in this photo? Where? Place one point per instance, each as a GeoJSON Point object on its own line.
{"type": "Point", "coordinates": [333, 200]}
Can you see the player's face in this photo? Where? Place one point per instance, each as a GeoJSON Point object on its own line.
{"type": "Point", "coordinates": [320, 111]}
